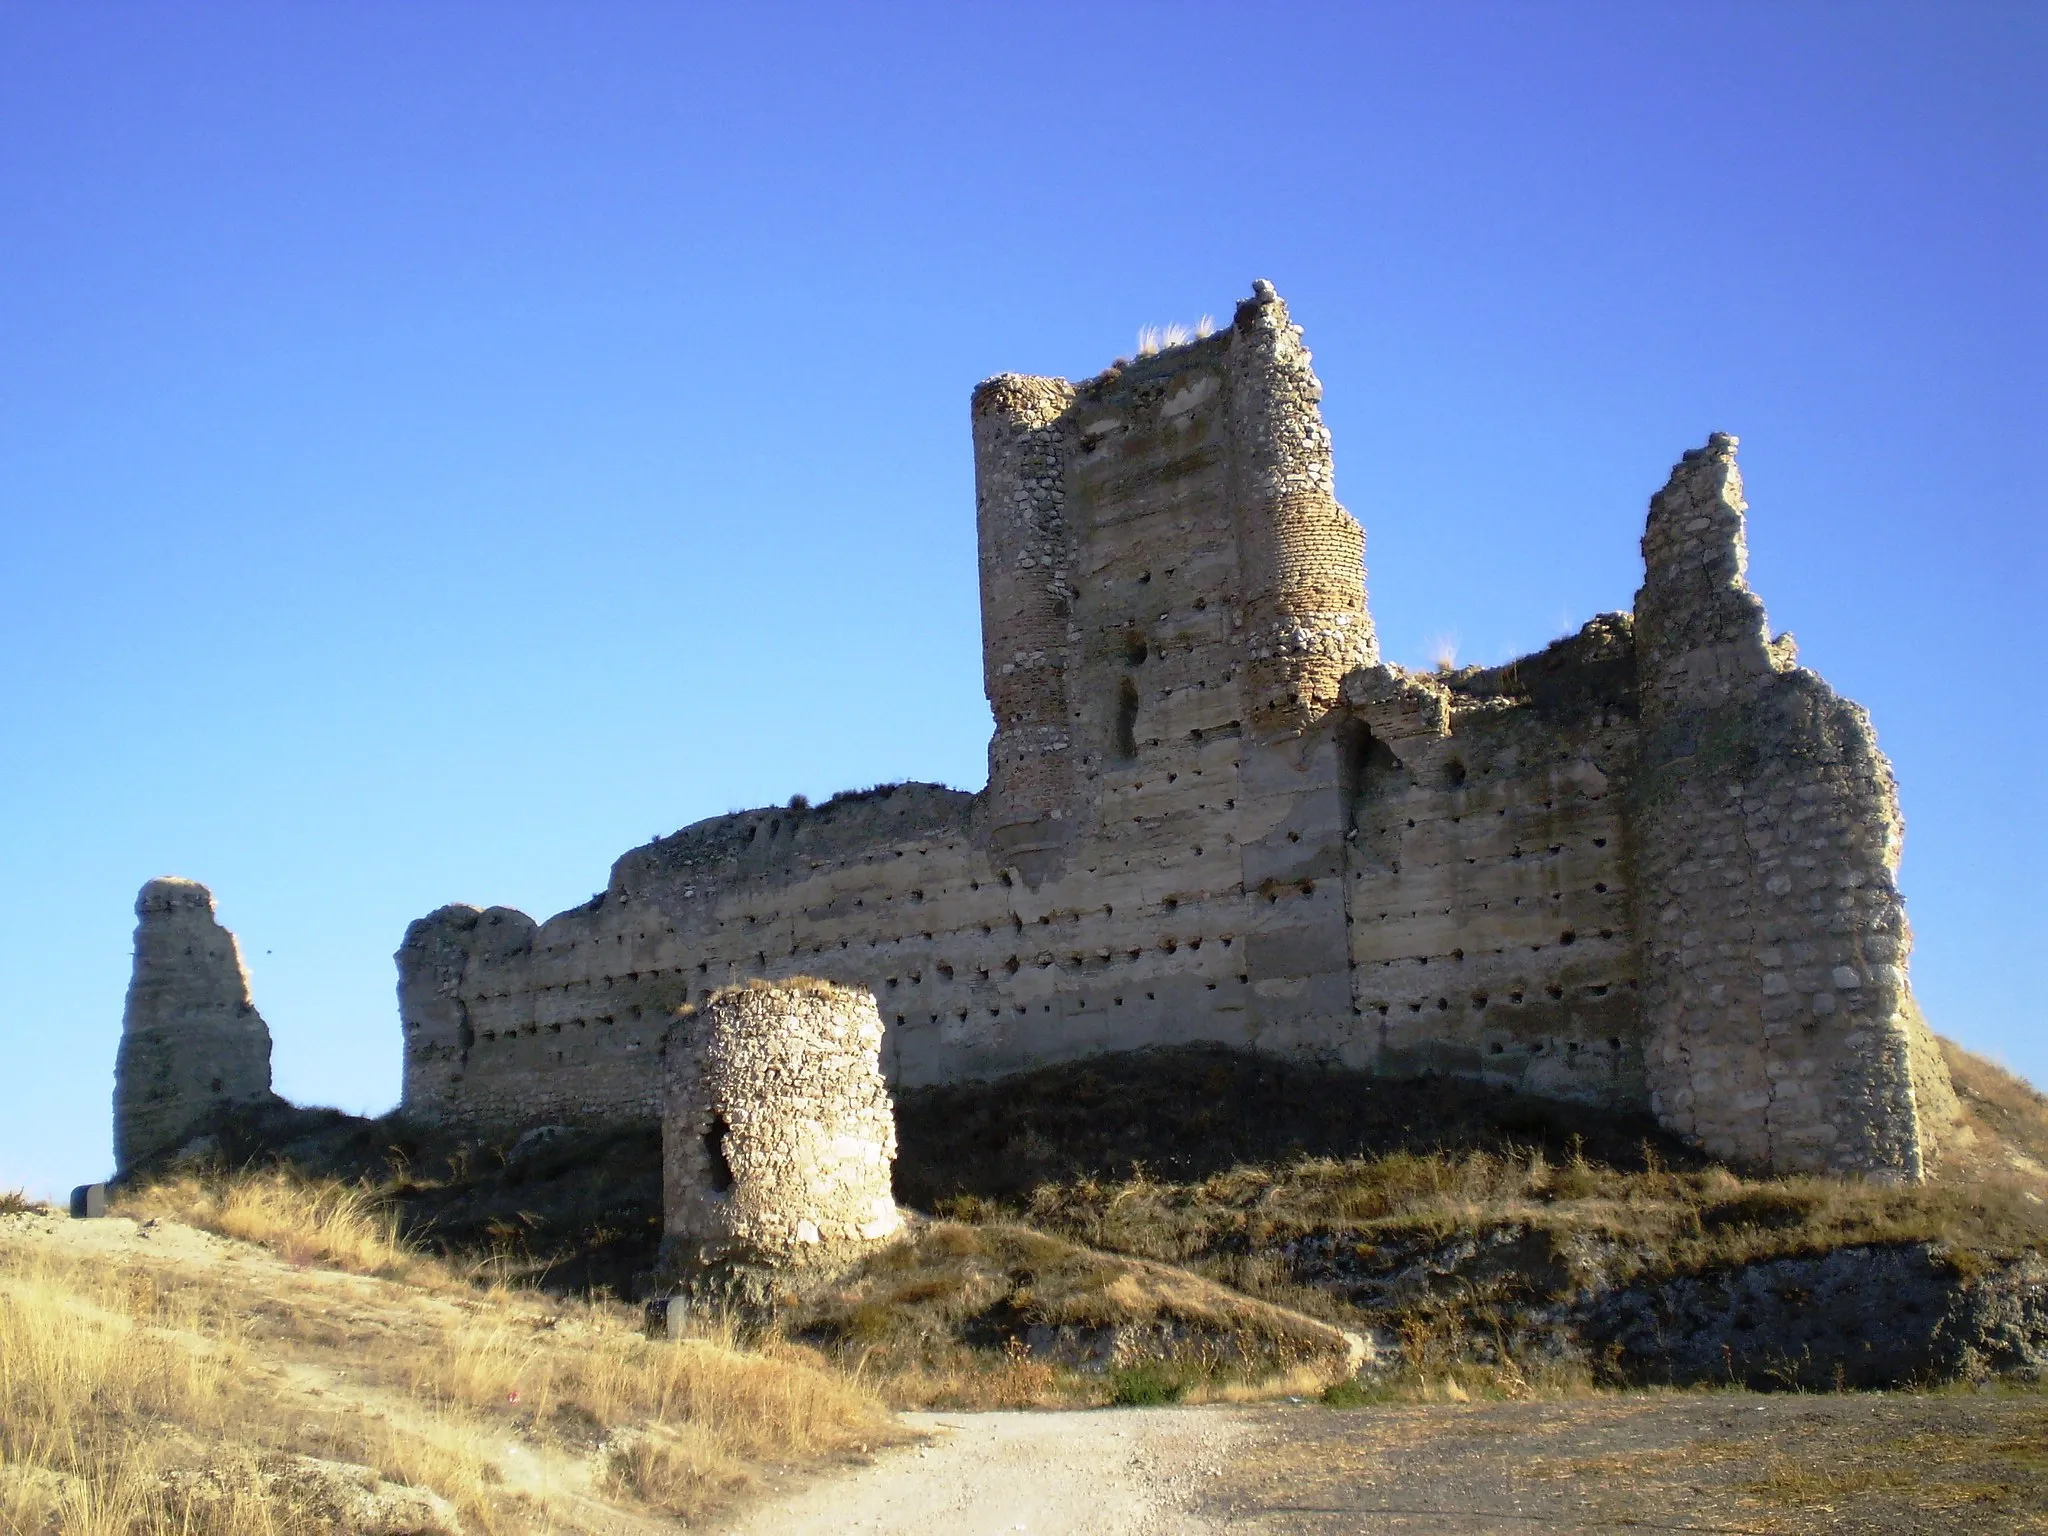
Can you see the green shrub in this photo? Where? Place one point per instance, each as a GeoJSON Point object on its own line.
{"type": "Point", "coordinates": [1348, 1393]}
{"type": "Point", "coordinates": [1148, 1386]}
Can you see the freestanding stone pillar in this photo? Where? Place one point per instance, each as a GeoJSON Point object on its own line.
{"type": "Point", "coordinates": [192, 1043]}
{"type": "Point", "coordinates": [777, 1130]}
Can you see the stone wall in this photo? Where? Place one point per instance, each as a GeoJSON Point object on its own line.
{"type": "Point", "coordinates": [777, 1132]}
{"type": "Point", "coordinates": [1215, 815]}
{"type": "Point", "coordinates": [192, 1043]}
{"type": "Point", "coordinates": [1773, 935]}
{"type": "Point", "coordinates": [1489, 868]}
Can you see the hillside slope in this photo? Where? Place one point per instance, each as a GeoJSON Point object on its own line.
{"type": "Point", "coordinates": [158, 1378]}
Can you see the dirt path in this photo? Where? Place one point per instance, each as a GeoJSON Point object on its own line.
{"type": "Point", "coordinates": [1733, 1464]}
{"type": "Point", "coordinates": [1126, 1472]}
{"type": "Point", "coordinates": [1736, 1463]}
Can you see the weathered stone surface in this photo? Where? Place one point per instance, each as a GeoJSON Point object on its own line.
{"type": "Point", "coordinates": [777, 1131]}
{"type": "Point", "coordinates": [1651, 864]}
{"type": "Point", "coordinates": [1772, 932]}
{"type": "Point", "coordinates": [192, 1043]}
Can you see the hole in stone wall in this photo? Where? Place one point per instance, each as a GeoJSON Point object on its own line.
{"type": "Point", "coordinates": [714, 1154]}
{"type": "Point", "coordinates": [1454, 774]}
{"type": "Point", "coordinates": [1125, 740]}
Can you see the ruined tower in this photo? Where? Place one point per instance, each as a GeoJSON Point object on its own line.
{"type": "Point", "coordinates": [1774, 938]}
{"type": "Point", "coordinates": [192, 1043]}
{"type": "Point", "coordinates": [777, 1131]}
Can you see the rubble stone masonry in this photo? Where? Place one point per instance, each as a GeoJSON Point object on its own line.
{"type": "Point", "coordinates": [1773, 934]}
{"type": "Point", "coordinates": [1637, 869]}
{"type": "Point", "coordinates": [777, 1131]}
{"type": "Point", "coordinates": [192, 1043]}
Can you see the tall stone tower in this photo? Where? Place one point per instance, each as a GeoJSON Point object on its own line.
{"type": "Point", "coordinates": [192, 1043]}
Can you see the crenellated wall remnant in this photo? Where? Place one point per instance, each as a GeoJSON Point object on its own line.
{"type": "Point", "coordinates": [1650, 865]}
{"type": "Point", "coordinates": [777, 1131]}
{"type": "Point", "coordinates": [192, 1043]}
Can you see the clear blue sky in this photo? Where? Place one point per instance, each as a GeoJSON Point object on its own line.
{"type": "Point", "coordinates": [442, 446]}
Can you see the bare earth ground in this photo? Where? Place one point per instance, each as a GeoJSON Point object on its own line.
{"type": "Point", "coordinates": [1103, 1472]}
{"type": "Point", "coordinates": [1701, 1462]}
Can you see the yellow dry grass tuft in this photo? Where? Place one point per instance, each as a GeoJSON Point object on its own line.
{"type": "Point", "coordinates": [1154, 339]}
{"type": "Point", "coordinates": [2005, 1124]}
{"type": "Point", "coordinates": [302, 1220]}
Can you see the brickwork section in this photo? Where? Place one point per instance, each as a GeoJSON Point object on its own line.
{"type": "Point", "coordinates": [192, 1042]}
{"type": "Point", "coordinates": [777, 1130]}
{"type": "Point", "coordinates": [1772, 932]}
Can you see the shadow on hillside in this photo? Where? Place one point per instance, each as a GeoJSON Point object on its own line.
{"type": "Point", "coordinates": [579, 1209]}
{"type": "Point", "coordinates": [1189, 1112]}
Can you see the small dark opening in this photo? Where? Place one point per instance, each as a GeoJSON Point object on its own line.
{"type": "Point", "coordinates": [1454, 774]}
{"type": "Point", "coordinates": [714, 1154]}
{"type": "Point", "coordinates": [1126, 741]}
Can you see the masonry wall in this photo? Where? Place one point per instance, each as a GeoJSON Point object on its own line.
{"type": "Point", "coordinates": [1491, 932]}
{"type": "Point", "coordinates": [1214, 814]}
{"type": "Point", "coordinates": [1773, 933]}
{"type": "Point", "coordinates": [1094, 897]}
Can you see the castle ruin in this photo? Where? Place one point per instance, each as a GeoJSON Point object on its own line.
{"type": "Point", "coordinates": [1648, 867]}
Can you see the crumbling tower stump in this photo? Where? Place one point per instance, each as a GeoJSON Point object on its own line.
{"type": "Point", "coordinates": [193, 1046]}
{"type": "Point", "coordinates": [777, 1134]}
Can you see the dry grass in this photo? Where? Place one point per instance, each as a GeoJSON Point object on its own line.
{"type": "Point", "coordinates": [1447, 1251]}
{"type": "Point", "coordinates": [1933, 1468]}
{"type": "Point", "coordinates": [999, 1316]}
{"type": "Point", "coordinates": [1679, 1221]}
{"type": "Point", "coordinates": [301, 1220]}
{"type": "Point", "coordinates": [2006, 1117]}
{"type": "Point", "coordinates": [151, 1383]}
{"type": "Point", "coordinates": [1154, 339]}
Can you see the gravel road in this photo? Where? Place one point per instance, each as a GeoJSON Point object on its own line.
{"type": "Point", "coordinates": [1705, 1463]}
{"type": "Point", "coordinates": [1128, 1472]}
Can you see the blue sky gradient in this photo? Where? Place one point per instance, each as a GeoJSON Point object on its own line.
{"type": "Point", "coordinates": [444, 446]}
